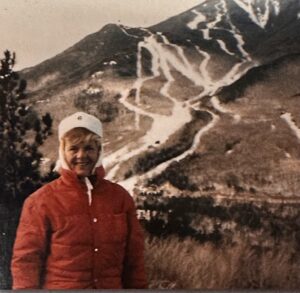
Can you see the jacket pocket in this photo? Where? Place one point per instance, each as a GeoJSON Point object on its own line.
{"type": "Point", "coordinates": [113, 227]}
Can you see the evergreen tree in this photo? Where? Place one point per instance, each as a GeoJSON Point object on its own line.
{"type": "Point", "coordinates": [21, 134]}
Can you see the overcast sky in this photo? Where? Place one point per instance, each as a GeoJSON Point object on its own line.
{"type": "Point", "coordinates": [39, 29]}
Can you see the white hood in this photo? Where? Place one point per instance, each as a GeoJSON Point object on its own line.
{"type": "Point", "coordinates": [79, 119]}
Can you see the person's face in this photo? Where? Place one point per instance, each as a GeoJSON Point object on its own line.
{"type": "Point", "coordinates": [81, 157]}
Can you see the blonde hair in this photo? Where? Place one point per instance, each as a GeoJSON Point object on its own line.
{"type": "Point", "coordinates": [80, 134]}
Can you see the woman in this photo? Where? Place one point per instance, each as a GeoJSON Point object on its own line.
{"type": "Point", "coordinates": [79, 231]}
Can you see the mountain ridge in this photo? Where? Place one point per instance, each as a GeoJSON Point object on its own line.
{"type": "Point", "coordinates": [153, 86]}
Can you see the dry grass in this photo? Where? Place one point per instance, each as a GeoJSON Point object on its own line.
{"type": "Point", "coordinates": [185, 264]}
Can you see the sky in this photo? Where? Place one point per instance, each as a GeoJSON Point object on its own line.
{"type": "Point", "coordinates": [40, 29]}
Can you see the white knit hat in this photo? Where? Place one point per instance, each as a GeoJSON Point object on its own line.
{"type": "Point", "coordinates": [79, 119]}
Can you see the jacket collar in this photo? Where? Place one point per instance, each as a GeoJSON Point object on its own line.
{"type": "Point", "coordinates": [69, 177]}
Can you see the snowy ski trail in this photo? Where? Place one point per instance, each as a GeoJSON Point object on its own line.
{"type": "Point", "coordinates": [258, 17]}
{"type": "Point", "coordinates": [130, 183]}
{"type": "Point", "coordinates": [166, 57]}
{"type": "Point", "coordinates": [179, 117]}
{"type": "Point", "coordinates": [222, 12]}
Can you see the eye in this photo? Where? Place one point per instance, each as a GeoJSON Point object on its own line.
{"type": "Point", "coordinates": [73, 149]}
{"type": "Point", "coordinates": [89, 148]}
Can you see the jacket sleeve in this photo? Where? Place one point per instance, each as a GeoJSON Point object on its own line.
{"type": "Point", "coordinates": [134, 276]}
{"type": "Point", "coordinates": [30, 247]}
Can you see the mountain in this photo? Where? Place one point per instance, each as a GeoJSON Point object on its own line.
{"type": "Point", "coordinates": [204, 102]}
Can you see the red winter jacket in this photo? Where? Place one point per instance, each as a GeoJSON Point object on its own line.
{"type": "Point", "coordinates": [64, 243]}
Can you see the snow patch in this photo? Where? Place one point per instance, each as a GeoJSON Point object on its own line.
{"type": "Point", "coordinates": [287, 117]}
{"type": "Point", "coordinates": [254, 12]}
{"type": "Point", "coordinates": [97, 74]}
{"type": "Point", "coordinates": [198, 19]}
{"type": "Point", "coordinates": [236, 33]}
{"type": "Point", "coordinates": [216, 103]}
{"type": "Point", "coordinates": [276, 5]}
{"type": "Point", "coordinates": [93, 91]}
{"type": "Point", "coordinates": [237, 117]}
{"type": "Point", "coordinates": [112, 62]}
{"type": "Point", "coordinates": [39, 101]}
{"type": "Point", "coordinates": [224, 47]}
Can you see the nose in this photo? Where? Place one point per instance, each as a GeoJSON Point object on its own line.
{"type": "Point", "coordinates": [81, 153]}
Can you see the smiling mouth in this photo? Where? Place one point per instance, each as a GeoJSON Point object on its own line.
{"type": "Point", "coordinates": [82, 163]}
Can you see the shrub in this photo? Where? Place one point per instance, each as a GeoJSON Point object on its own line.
{"type": "Point", "coordinates": [173, 263]}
